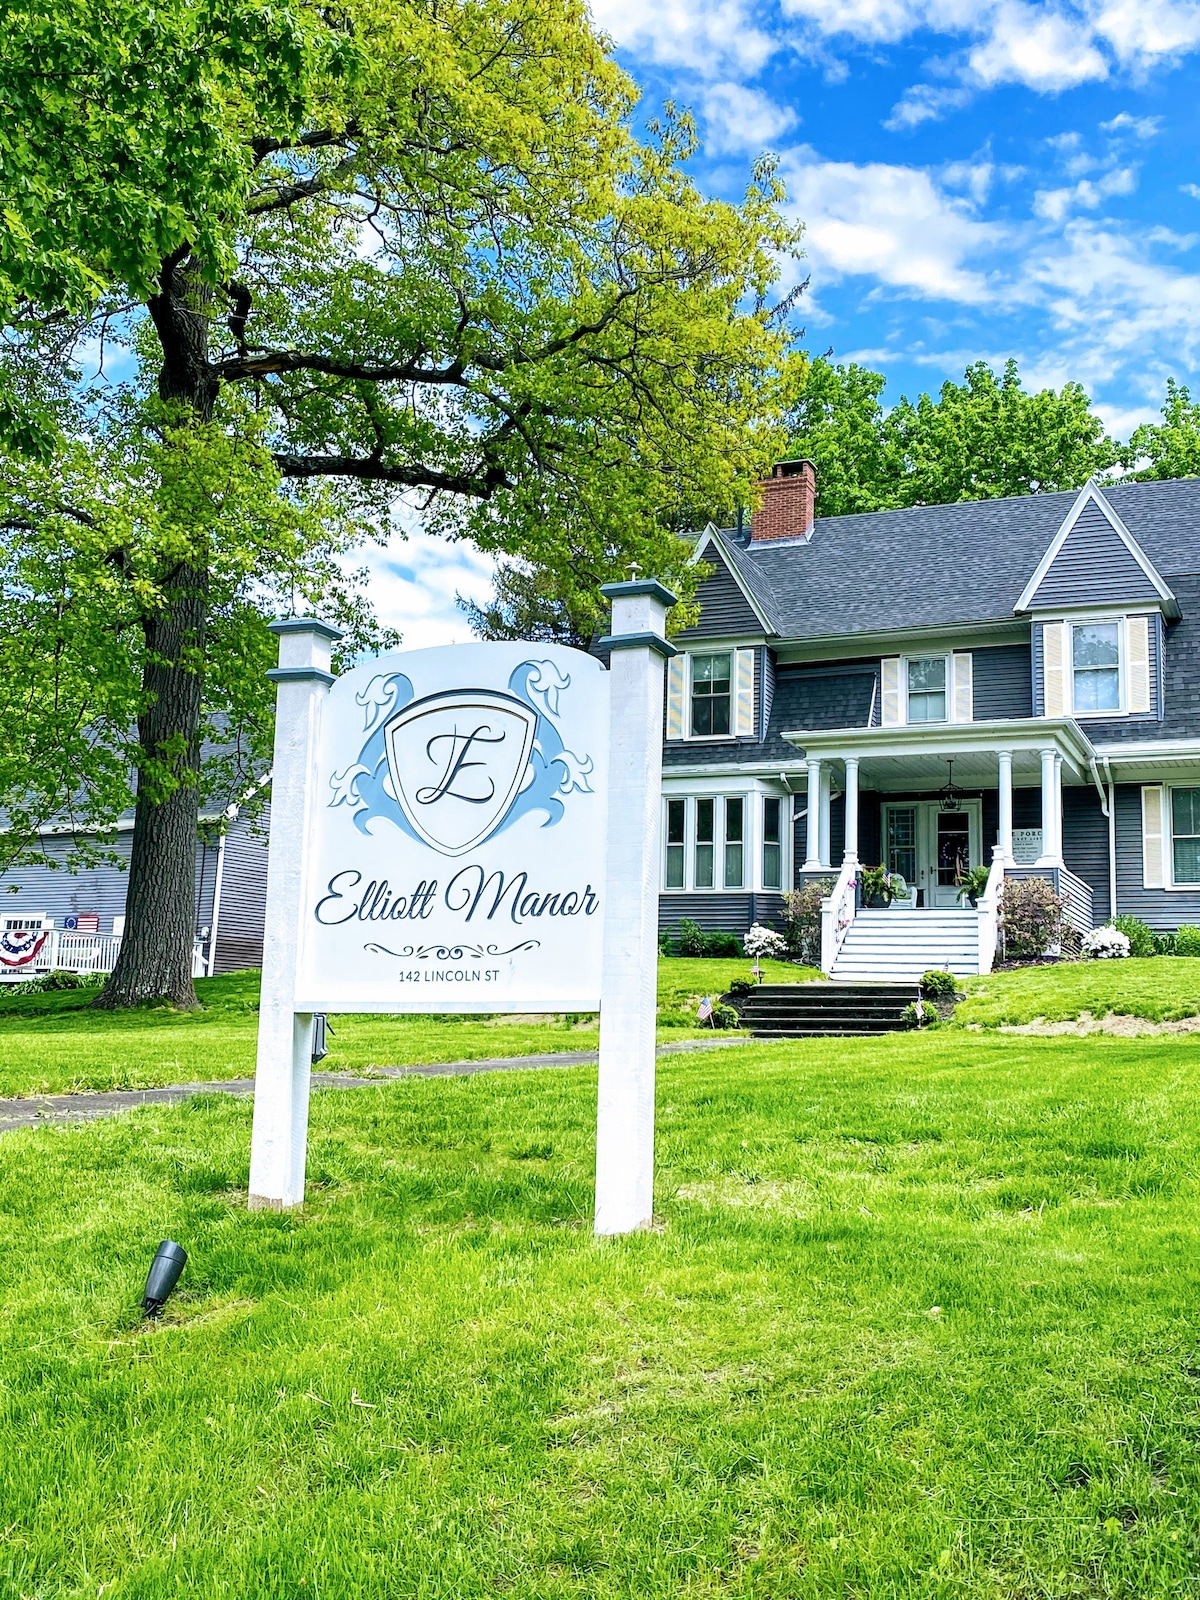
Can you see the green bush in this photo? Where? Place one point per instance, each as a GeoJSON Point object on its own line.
{"type": "Point", "coordinates": [723, 944]}
{"type": "Point", "coordinates": [725, 1017]}
{"type": "Point", "coordinates": [693, 941]}
{"type": "Point", "coordinates": [1187, 940]}
{"type": "Point", "coordinates": [1164, 944]}
{"type": "Point", "coordinates": [802, 919]}
{"type": "Point", "coordinates": [1140, 935]}
{"type": "Point", "coordinates": [664, 942]}
{"type": "Point", "coordinates": [939, 985]}
{"type": "Point", "coordinates": [50, 981]}
{"type": "Point", "coordinates": [1030, 918]}
{"type": "Point", "coordinates": [919, 1014]}
{"type": "Point", "coordinates": [742, 986]}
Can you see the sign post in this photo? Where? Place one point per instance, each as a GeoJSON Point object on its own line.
{"type": "Point", "coordinates": [471, 828]}
{"type": "Point", "coordinates": [625, 1106]}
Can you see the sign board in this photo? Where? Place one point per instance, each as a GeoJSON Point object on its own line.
{"type": "Point", "coordinates": [472, 828]}
{"type": "Point", "coordinates": [1027, 846]}
{"type": "Point", "coordinates": [456, 859]}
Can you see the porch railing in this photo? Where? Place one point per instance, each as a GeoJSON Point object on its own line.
{"type": "Point", "coordinates": [837, 913]}
{"type": "Point", "coordinates": [63, 951]}
{"type": "Point", "coordinates": [989, 913]}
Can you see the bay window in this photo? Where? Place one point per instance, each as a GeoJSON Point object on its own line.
{"type": "Point", "coordinates": [715, 842]}
{"type": "Point", "coordinates": [703, 878]}
{"type": "Point", "coordinates": [772, 864]}
{"type": "Point", "coordinates": [734, 818]}
{"type": "Point", "coordinates": [676, 843]}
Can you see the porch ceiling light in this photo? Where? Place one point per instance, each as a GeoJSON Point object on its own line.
{"type": "Point", "coordinates": [950, 798]}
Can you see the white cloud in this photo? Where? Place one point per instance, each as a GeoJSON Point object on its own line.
{"type": "Point", "coordinates": [711, 38]}
{"type": "Point", "coordinates": [413, 583]}
{"type": "Point", "coordinates": [1043, 50]}
{"type": "Point", "coordinates": [741, 119]}
{"type": "Point", "coordinates": [1139, 127]}
{"type": "Point", "coordinates": [1056, 204]}
{"type": "Point", "coordinates": [924, 102]}
{"type": "Point", "coordinates": [891, 223]}
{"type": "Point", "coordinates": [1190, 188]}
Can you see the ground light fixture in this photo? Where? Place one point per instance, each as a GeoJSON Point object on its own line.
{"type": "Point", "coordinates": [169, 1261]}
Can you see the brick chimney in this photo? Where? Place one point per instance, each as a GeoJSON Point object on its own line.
{"type": "Point", "coordinates": [789, 498]}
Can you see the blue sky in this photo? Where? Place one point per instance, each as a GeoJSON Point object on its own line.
{"type": "Point", "coordinates": [977, 180]}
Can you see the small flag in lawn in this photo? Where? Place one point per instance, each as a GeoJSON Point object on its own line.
{"type": "Point", "coordinates": [705, 1011]}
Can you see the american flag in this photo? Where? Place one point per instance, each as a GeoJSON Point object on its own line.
{"type": "Point", "coordinates": [705, 1011]}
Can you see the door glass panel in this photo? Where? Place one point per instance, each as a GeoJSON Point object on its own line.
{"type": "Point", "coordinates": [902, 842]}
{"type": "Point", "coordinates": [953, 847]}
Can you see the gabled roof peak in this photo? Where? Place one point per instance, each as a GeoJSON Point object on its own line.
{"type": "Point", "coordinates": [1093, 559]}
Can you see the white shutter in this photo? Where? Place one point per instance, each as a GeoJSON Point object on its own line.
{"type": "Point", "coordinates": [1054, 669]}
{"type": "Point", "coordinates": [961, 705]}
{"type": "Point", "coordinates": [743, 691]}
{"type": "Point", "coordinates": [891, 708]}
{"type": "Point", "coordinates": [1137, 660]}
{"type": "Point", "coordinates": [676, 695]}
{"type": "Point", "coordinates": [1153, 852]}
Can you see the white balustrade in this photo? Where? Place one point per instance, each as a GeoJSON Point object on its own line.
{"type": "Point", "coordinates": [988, 909]}
{"type": "Point", "coordinates": [837, 913]}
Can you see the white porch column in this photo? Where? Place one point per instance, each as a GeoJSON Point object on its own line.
{"type": "Point", "coordinates": [281, 1079]}
{"type": "Point", "coordinates": [625, 1103]}
{"type": "Point", "coordinates": [1051, 855]}
{"type": "Point", "coordinates": [826, 777]}
{"type": "Point", "coordinates": [1004, 838]}
{"type": "Point", "coordinates": [851, 850]}
{"type": "Point", "coordinates": [812, 853]}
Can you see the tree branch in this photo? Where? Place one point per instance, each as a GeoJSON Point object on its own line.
{"type": "Point", "coordinates": [368, 470]}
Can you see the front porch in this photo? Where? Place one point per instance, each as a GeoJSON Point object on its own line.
{"type": "Point", "coordinates": [932, 803]}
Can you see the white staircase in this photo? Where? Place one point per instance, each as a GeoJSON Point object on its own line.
{"type": "Point", "coordinates": [898, 946]}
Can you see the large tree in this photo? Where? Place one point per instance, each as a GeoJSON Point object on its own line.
{"type": "Point", "coordinates": [979, 439]}
{"type": "Point", "coordinates": [376, 246]}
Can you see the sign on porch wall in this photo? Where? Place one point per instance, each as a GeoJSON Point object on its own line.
{"type": "Point", "coordinates": [472, 828]}
{"type": "Point", "coordinates": [1027, 846]}
{"type": "Point", "coordinates": [457, 854]}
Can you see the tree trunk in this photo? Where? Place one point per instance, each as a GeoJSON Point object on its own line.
{"type": "Point", "coordinates": [155, 959]}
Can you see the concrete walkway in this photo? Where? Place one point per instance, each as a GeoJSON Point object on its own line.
{"type": "Point", "coordinates": [67, 1108]}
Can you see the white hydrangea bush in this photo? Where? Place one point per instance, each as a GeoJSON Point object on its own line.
{"type": "Point", "coordinates": [760, 942]}
{"type": "Point", "coordinates": [1105, 944]}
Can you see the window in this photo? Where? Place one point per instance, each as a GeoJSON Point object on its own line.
{"type": "Point", "coordinates": [710, 695]}
{"type": "Point", "coordinates": [734, 817]}
{"type": "Point", "coordinates": [772, 866]}
{"type": "Point", "coordinates": [902, 841]}
{"type": "Point", "coordinates": [1185, 835]}
{"type": "Point", "coordinates": [676, 819]}
{"type": "Point", "coordinates": [704, 844]}
{"type": "Point", "coordinates": [1096, 666]}
{"type": "Point", "coordinates": [927, 689]}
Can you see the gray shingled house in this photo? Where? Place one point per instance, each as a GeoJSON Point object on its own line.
{"type": "Point", "coordinates": [1010, 683]}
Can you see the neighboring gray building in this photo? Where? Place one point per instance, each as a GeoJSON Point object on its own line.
{"type": "Point", "coordinates": [230, 890]}
{"type": "Point", "coordinates": [922, 688]}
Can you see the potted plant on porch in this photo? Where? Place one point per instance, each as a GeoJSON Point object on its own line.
{"type": "Point", "coordinates": [972, 885]}
{"type": "Point", "coordinates": [880, 887]}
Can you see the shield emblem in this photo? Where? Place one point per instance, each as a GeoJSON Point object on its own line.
{"type": "Point", "coordinates": [458, 760]}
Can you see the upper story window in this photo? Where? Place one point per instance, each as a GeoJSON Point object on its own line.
{"type": "Point", "coordinates": [1096, 666]}
{"type": "Point", "coordinates": [927, 689]}
{"type": "Point", "coordinates": [710, 695]}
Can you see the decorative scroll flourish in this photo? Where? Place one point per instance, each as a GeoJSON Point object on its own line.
{"type": "Point", "coordinates": [452, 952]}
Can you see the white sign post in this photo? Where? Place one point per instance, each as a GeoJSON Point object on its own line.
{"type": "Point", "coordinates": [472, 828]}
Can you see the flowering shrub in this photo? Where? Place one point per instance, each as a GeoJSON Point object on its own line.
{"type": "Point", "coordinates": [802, 918]}
{"type": "Point", "coordinates": [1030, 918]}
{"type": "Point", "coordinates": [762, 941]}
{"type": "Point", "coordinates": [1104, 944]}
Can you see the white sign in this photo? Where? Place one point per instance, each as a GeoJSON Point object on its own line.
{"type": "Point", "coordinates": [457, 839]}
{"type": "Point", "coordinates": [1027, 846]}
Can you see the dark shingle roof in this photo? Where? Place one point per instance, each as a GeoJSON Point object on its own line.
{"type": "Point", "coordinates": [931, 566]}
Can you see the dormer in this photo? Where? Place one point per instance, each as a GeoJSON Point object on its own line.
{"type": "Point", "coordinates": [1098, 608]}
{"type": "Point", "coordinates": [1094, 561]}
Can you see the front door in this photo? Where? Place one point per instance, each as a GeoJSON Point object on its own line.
{"type": "Point", "coordinates": [932, 848]}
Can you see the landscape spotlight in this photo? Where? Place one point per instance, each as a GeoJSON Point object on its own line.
{"type": "Point", "coordinates": [169, 1261]}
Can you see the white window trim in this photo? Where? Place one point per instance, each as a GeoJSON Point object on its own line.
{"type": "Point", "coordinates": [928, 655]}
{"type": "Point", "coordinates": [751, 842]}
{"type": "Point", "coordinates": [1169, 884]}
{"type": "Point", "coordinates": [1122, 621]}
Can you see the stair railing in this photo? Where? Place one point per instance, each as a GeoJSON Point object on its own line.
{"type": "Point", "coordinates": [989, 912]}
{"type": "Point", "coordinates": [837, 913]}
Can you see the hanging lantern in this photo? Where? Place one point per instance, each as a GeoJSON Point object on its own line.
{"type": "Point", "coordinates": [950, 798]}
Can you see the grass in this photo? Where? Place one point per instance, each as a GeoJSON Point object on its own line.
{"type": "Point", "coordinates": [1159, 988]}
{"type": "Point", "coordinates": [919, 1320]}
{"type": "Point", "coordinates": [55, 1044]}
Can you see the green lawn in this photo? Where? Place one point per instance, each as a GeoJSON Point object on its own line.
{"type": "Point", "coordinates": [1159, 988]}
{"type": "Point", "coordinates": [54, 1043]}
{"type": "Point", "coordinates": [921, 1319]}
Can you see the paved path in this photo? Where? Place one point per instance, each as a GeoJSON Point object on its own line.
{"type": "Point", "coordinates": [67, 1108]}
